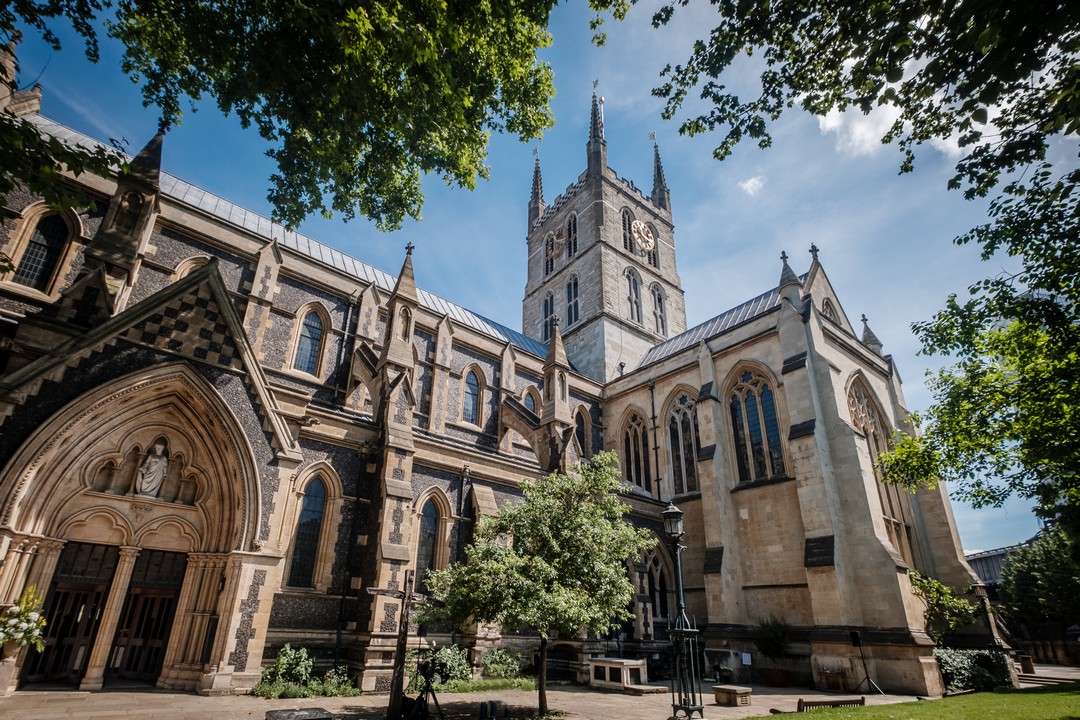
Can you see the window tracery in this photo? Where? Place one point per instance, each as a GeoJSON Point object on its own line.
{"type": "Point", "coordinates": [683, 444]}
{"type": "Point", "coordinates": [756, 429]}
{"type": "Point", "coordinates": [636, 453]}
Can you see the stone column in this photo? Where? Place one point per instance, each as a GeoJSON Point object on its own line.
{"type": "Point", "coordinates": [118, 592]}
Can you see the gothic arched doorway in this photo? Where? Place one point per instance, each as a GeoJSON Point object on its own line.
{"type": "Point", "coordinates": [131, 506]}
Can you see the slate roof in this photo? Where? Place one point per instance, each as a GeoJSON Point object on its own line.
{"type": "Point", "coordinates": [221, 208]}
{"type": "Point", "coordinates": [722, 323]}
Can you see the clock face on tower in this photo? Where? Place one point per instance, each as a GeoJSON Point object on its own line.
{"type": "Point", "coordinates": [642, 236]}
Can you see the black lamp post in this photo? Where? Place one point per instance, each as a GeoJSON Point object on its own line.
{"type": "Point", "coordinates": [685, 690]}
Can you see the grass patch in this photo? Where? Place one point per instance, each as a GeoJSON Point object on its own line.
{"type": "Point", "coordinates": [486, 684]}
{"type": "Point", "coordinates": [1061, 702]}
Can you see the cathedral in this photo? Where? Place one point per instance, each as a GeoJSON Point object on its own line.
{"type": "Point", "coordinates": [218, 436]}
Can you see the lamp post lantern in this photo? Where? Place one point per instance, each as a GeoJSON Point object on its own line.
{"type": "Point", "coordinates": [685, 689]}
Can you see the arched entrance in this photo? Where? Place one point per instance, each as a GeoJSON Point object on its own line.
{"type": "Point", "coordinates": [132, 506]}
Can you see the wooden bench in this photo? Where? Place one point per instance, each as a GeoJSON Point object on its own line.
{"type": "Point", "coordinates": [731, 695]}
{"type": "Point", "coordinates": [807, 705]}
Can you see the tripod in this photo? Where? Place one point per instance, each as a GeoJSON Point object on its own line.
{"type": "Point", "coordinates": [867, 680]}
{"type": "Point", "coordinates": [426, 668]}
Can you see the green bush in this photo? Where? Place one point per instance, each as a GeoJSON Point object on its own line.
{"type": "Point", "coordinates": [501, 663]}
{"type": "Point", "coordinates": [290, 677]}
{"type": "Point", "coordinates": [973, 669]}
{"type": "Point", "coordinates": [451, 663]}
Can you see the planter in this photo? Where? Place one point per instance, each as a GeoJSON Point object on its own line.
{"type": "Point", "coordinates": [9, 649]}
{"type": "Point", "coordinates": [776, 677]}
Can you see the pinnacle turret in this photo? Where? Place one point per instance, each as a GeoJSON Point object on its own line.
{"type": "Point", "coordinates": [536, 198]}
{"type": "Point", "coordinates": [597, 145]}
{"type": "Point", "coordinates": [869, 339]}
{"type": "Point", "coordinates": [661, 196]}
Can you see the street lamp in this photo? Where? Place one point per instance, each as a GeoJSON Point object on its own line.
{"type": "Point", "coordinates": [685, 690]}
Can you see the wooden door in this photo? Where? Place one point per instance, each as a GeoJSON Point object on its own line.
{"type": "Point", "coordinates": [73, 610]}
{"type": "Point", "coordinates": [142, 633]}
{"type": "Point", "coordinates": [139, 647]}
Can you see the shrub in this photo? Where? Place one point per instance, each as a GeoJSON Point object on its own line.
{"type": "Point", "coordinates": [770, 636]}
{"type": "Point", "coordinates": [290, 677]}
{"type": "Point", "coordinates": [973, 669]}
{"type": "Point", "coordinates": [501, 663]}
{"type": "Point", "coordinates": [488, 685]}
{"type": "Point", "coordinates": [450, 663]}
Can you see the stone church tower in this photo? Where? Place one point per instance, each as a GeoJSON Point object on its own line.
{"type": "Point", "coordinates": [602, 265]}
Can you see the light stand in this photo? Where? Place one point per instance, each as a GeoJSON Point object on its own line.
{"type": "Point", "coordinates": [856, 639]}
{"type": "Point", "coordinates": [685, 689]}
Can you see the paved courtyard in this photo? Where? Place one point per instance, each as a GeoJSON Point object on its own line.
{"type": "Point", "coordinates": [578, 703]}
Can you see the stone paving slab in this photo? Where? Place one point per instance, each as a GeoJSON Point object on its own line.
{"type": "Point", "coordinates": [579, 703]}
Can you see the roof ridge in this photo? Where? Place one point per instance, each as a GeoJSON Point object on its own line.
{"type": "Point", "coordinates": [240, 216]}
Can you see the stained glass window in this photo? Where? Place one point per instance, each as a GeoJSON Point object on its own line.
{"type": "Point", "coordinates": [684, 445]}
{"type": "Point", "coordinates": [636, 453]}
{"type": "Point", "coordinates": [308, 530]}
{"type": "Point", "coordinates": [470, 411]}
{"type": "Point", "coordinates": [38, 263]}
{"type": "Point", "coordinates": [307, 349]}
{"type": "Point", "coordinates": [756, 429]}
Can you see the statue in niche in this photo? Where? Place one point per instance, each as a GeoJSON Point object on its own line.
{"type": "Point", "coordinates": [127, 215]}
{"type": "Point", "coordinates": [152, 471]}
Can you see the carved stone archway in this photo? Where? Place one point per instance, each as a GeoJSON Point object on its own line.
{"type": "Point", "coordinates": [154, 462]}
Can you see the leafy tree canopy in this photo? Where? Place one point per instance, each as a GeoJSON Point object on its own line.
{"type": "Point", "coordinates": [357, 100]}
{"type": "Point", "coordinates": [555, 562]}
{"type": "Point", "coordinates": [946, 610]}
{"type": "Point", "coordinates": [1040, 582]}
{"type": "Point", "coordinates": [1002, 81]}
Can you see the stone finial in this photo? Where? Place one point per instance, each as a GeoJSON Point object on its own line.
{"type": "Point", "coordinates": [869, 339]}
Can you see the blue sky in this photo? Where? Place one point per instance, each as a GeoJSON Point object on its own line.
{"type": "Point", "coordinates": [884, 238]}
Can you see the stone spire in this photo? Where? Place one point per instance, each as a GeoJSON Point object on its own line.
{"type": "Point", "coordinates": [556, 407]}
{"type": "Point", "coordinates": [146, 167]}
{"type": "Point", "coordinates": [869, 339]}
{"type": "Point", "coordinates": [397, 346]}
{"type": "Point", "coordinates": [790, 286]}
{"type": "Point", "coordinates": [661, 196]}
{"type": "Point", "coordinates": [597, 145]}
{"type": "Point", "coordinates": [536, 199]}
{"type": "Point", "coordinates": [405, 287]}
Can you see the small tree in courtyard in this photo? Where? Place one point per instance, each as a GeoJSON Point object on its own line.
{"type": "Point", "coordinates": [555, 562]}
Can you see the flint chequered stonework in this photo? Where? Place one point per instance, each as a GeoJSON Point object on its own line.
{"type": "Point", "coordinates": [192, 325]}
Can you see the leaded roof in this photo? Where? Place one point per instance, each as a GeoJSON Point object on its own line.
{"type": "Point", "coordinates": [219, 207]}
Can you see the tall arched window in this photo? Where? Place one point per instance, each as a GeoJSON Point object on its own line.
{"type": "Point", "coordinates": [756, 429]}
{"type": "Point", "coordinates": [571, 236]}
{"type": "Point", "coordinates": [684, 443]}
{"type": "Point", "coordinates": [659, 310]}
{"type": "Point", "coordinates": [633, 295]}
{"type": "Point", "coordinates": [627, 235]}
{"type": "Point", "coordinates": [425, 543]}
{"type": "Point", "coordinates": [581, 432]}
{"type": "Point", "coordinates": [654, 254]}
{"type": "Point", "coordinates": [37, 265]}
{"type": "Point", "coordinates": [636, 453]}
{"type": "Point", "coordinates": [530, 402]}
{"type": "Point", "coordinates": [309, 343]}
{"type": "Point", "coordinates": [656, 586]}
{"type": "Point", "coordinates": [572, 301]}
{"type": "Point", "coordinates": [549, 316]}
{"type": "Point", "coordinates": [308, 531]}
{"type": "Point", "coordinates": [867, 419]}
{"type": "Point", "coordinates": [549, 254]}
{"type": "Point", "coordinates": [470, 406]}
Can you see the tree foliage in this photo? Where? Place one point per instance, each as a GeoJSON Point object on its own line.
{"type": "Point", "coordinates": [1002, 81]}
{"type": "Point", "coordinates": [555, 562]}
{"type": "Point", "coordinates": [357, 100]}
{"type": "Point", "coordinates": [945, 609]}
{"type": "Point", "coordinates": [1040, 582]}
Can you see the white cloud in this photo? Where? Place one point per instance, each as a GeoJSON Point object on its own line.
{"type": "Point", "coordinates": [752, 186]}
{"type": "Point", "coordinates": [856, 133]}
